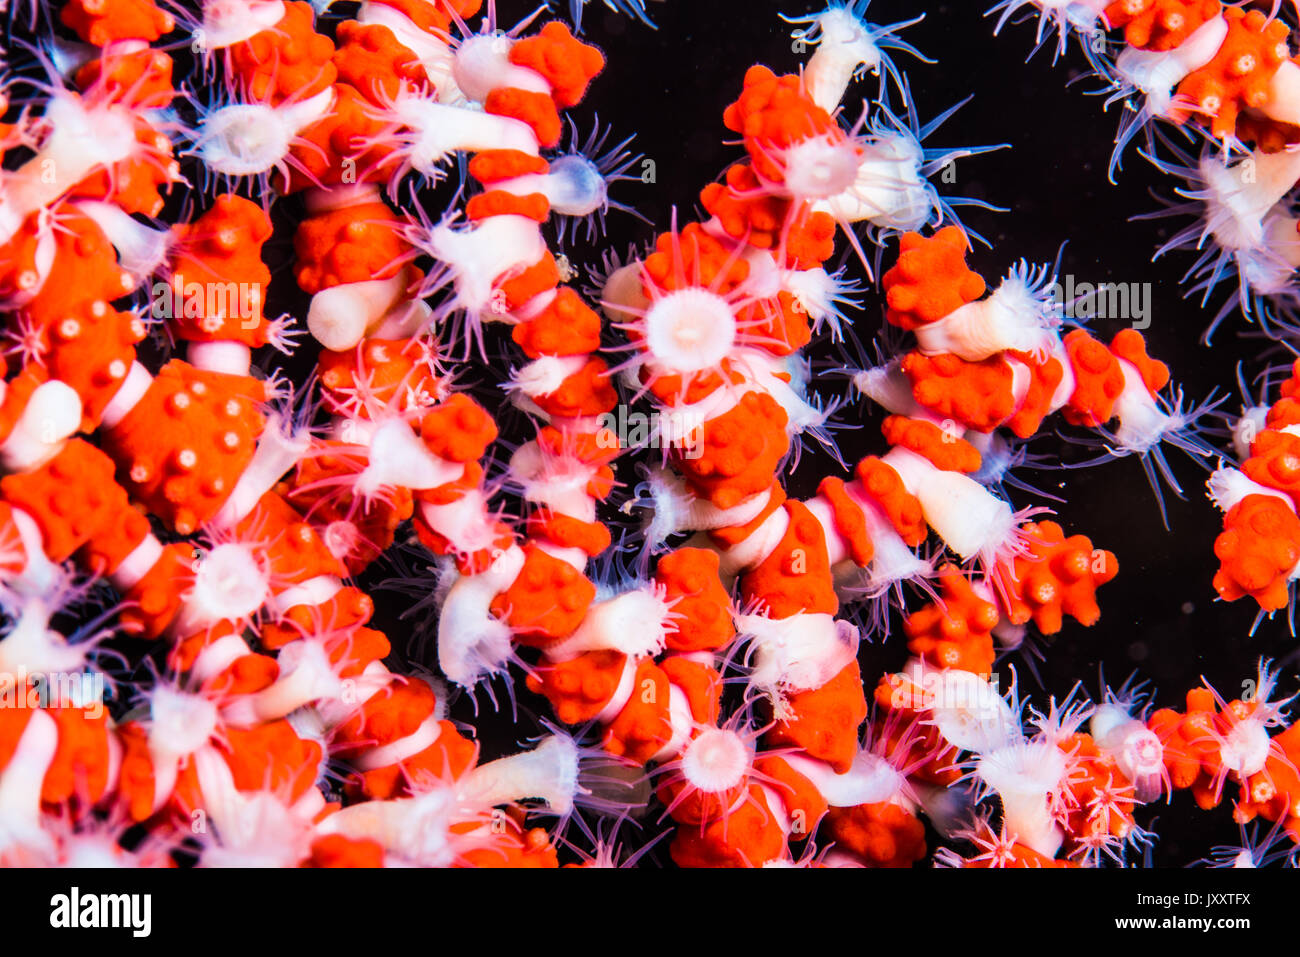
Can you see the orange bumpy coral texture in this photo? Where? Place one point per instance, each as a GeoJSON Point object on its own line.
{"type": "Point", "coordinates": [774, 113]}
{"type": "Point", "coordinates": [1238, 76]}
{"type": "Point", "coordinates": [1257, 551]}
{"type": "Point", "coordinates": [930, 279]}
{"type": "Point", "coordinates": [1058, 576]}
{"type": "Point", "coordinates": [956, 631]}
{"type": "Point", "coordinates": [1160, 24]}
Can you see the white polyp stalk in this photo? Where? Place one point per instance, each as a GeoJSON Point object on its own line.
{"type": "Point", "coordinates": [814, 291]}
{"type": "Point", "coordinates": [216, 657]}
{"type": "Point", "coordinates": [483, 64]}
{"type": "Point", "coordinates": [681, 722]}
{"type": "Point", "coordinates": [776, 802]}
{"type": "Point", "coordinates": [416, 828]}
{"type": "Point", "coordinates": [966, 515]}
{"type": "Point", "coordinates": [82, 138]}
{"type": "Point", "coordinates": [306, 675]}
{"type": "Point", "coordinates": [128, 396]}
{"type": "Point", "coordinates": [30, 648]}
{"type": "Point", "coordinates": [40, 576]}
{"type": "Point", "coordinates": [558, 482]}
{"type": "Point", "coordinates": [1022, 377]}
{"type": "Point", "coordinates": [482, 254]}
{"type": "Point", "coordinates": [622, 693]}
{"type": "Point", "coordinates": [578, 425]}
{"type": "Point", "coordinates": [680, 424]}
{"type": "Point", "coordinates": [320, 200]}
{"type": "Point", "coordinates": [573, 186]}
{"type": "Point", "coordinates": [870, 779]}
{"type": "Point", "coordinates": [756, 547]}
{"type": "Point", "coordinates": [21, 780]}
{"type": "Point", "coordinates": [800, 652]}
{"type": "Point", "coordinates": [766, 278]}
{"type": "Point", "coordinates": [989, 445]}
{"type": "Point", "coordinates": [434, 54]}
{"type": "Point", "coordinates": [308, 807]}
{"type": "Point", "coordinates": [1270, 270]}
{"type": "Point", "coordinates": [1157, 73]}
{"type": "Point", "coordinates": [276, 453]}
{"type": "Point", "coordinates": [844, 46]}
{"type": "Point", "coordinates": [226, 356]}
{"type": "Point", "coordinates": [52, 414]}
{"type": "Point", "coordinates": [966, 710]}
{"type": "Point", "coordinates": [385, 756]}
{"type": "Point", "coordinates": [571, 556]}
{"type": "Point", "coordinates": [136, 564]}
{"type": "Point", "coordinates": [635, 623]}
{"type": "Point", "coordinates": [470, 638]}
{"type": "Point", "coordinates": [329, 713]}
{"type": "Point", "coordinates": [398, 458]}
{"type": "Point", "coordinates": [255, 828]}
{"type": "Point", "coordinates": [889, 388]}
{"type": "Point", "coordinates": [624, 289]}
{"type": "Point", "coordinates": [1141, 423]}
{"type": "Point", "coordinates": [837, 549]}
{"type": "Point", "coordinates": [1229, 486]}
{"type": "Point", "coordinates": [544, 375]}
{"type": "Point", "coordinates": [405, 320]}
{"type": "Point", "coordinates": [1136, 749]}
{"type": "Point", "coordinates": [1242, 195]}
{"type": "Point", "coordinates": [1009, 636]}
{"type": "Point", "coordinates": [674, 501]}
{"type": "Point", "coordinates": [465, 523]}
{"type": "Point", "coordinates": [891, 560]}
{"type": "Point", "coordinates": [140, 249]}
{"type": "Point", "coordinates": [1025, 774]}
{"type": "Point", "coordinates": [339, 317]}
{"type": "Point", "coordinates": [765, 373]}
{"type": "Point", "coordinates": [312, 592]}
{"type": "Point", "coordinates": [1061, 397]}
{"type": "Point", "coordinates": [1012, 318]}
{"type": "Point", "coordinates": [1284, 94]}
{"type": "Point", "coordinates": [440, 131]}
{"type": "Point", "coordinates": [227, 22]}
{"type": "Point", "coordinates": [549, 772]}
{"type": "Point", "coordinates": [888, 190]}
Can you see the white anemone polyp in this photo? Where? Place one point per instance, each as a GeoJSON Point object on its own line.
{"type": "Point", "coordinates": [182, 723]}
{"type": "Point", "coordinates": [230, 581]}
{"type": "Point", "coordinates": [715, 761]}
{"type": "Point", "coordinates": [245, 139]}
{"type": "Point", "coordinates": [690, 330]}
{"type": "Point", "coordinates": [1245, 748]}
{"type": "Point", "coordinates": [1144, 753]}
{"type": "Point", "coordinates": [341, 537]}
{"type": "Point", "coordinates": [822, 167]}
